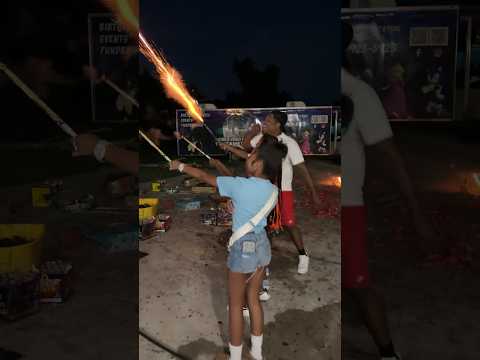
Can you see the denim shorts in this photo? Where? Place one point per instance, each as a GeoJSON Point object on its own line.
{"type": "Point", "coordinates": [249, 253]}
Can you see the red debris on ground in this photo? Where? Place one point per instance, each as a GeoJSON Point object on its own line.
{"type": "Point", "coordinates": [330, 199]}
{"type": "Point", "coordinates": [458, 235]}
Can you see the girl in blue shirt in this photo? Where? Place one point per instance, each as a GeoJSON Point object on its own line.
{"type": "Point", "coordinates": [249, 255]}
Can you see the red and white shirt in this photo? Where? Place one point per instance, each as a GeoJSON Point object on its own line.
{"type": "Point", "coordinates": [293, 158]}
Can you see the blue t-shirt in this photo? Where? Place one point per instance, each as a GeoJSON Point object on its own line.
{"type": "Point", "coordinates": [248, 195]}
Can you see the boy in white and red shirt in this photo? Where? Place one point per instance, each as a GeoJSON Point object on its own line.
{"type": "Point", "coordinates": [368, 127]}
{"type": "Point", "coordinates": [274, 125]}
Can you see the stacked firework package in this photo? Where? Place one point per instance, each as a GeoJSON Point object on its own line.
{"type": "Point", "coordinates": [55, 281]}
{"type": "Point", "coordinates": [218, 215]}
{"type": "Point", "coordinates": [19, 295]}
{"type": "Point", "coordinates": [44, 194]}
{"type": "Point", "coordinates": [22, 292]}
{"type": "Point", "coordinates": [149, 220]}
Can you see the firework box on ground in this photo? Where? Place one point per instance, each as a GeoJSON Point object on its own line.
{"type": "Point", "coordinates": [203, 190]}
{"type": "Point", "coordinates": [191, 182]}
{"type": "Point", "coordinates": [217, 217]}
{"type": "Point", "coordinates": [209, 218]}
{"type": "Point", "coordinates": [189, 204]}
{"type": "Point", "coordinates": [55, 282]}
{"type": "Point", "coordinates": [84, 203]}
{"type": "Point", "coordinates": [224, 217]}
{"type": "Point", "coordinates": [157, 185]}
{"type": "Point", "coordinates": [19, 295]}
{"type": "Point", "coordinates": [121, 186]}
{"type": "Point", "coordinates": [117, 238]}
{"type": "Point", "coordinates": [41, 196]}
{"type": "Point", "coordinates": [147, 227]}
{"type": "Point", "coordinates": [163, 222]}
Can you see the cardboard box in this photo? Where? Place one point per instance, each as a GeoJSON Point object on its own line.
{"type": "Point", "coordinates": [188, 204]}
{"type": "Point", "coordinates": [55, 282]}
{"type": "Point", "coordinates": [163, 222]}
{"type": "Point", "coordinates": [41, 196]}
{"type": "Point", "coordinates": [118, 238]}
{"type": "Point", "coordinates": [203, 190]}
{"type": "Point", "coordinates": [19, 295]}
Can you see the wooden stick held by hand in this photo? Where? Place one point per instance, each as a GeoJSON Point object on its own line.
{"type": "Point", "coordinates": [35, 98]}
{"type": "Point", "coordinates": [120, 91]}
{"type": "Point", "coordinates": [196, 147]}
{"type": "Point", "coordinates": [154, 146]}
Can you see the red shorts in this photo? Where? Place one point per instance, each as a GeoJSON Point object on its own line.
{"type": "Point", "coordinates": [355, 272]}
{"type": "Point", "coordinates": [287, 208]}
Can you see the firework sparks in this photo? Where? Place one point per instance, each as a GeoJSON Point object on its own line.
{"type": "Point", "coordinates": [127, 14]}
{"type": "Point", "coordinates": [171, 80]}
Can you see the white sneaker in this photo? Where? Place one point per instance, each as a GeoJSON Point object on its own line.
{"type": "Point", "coordinates": [251, 357]}
{"type": "Point", "coordinates": [303, 261]}
{"type": "Point", "coordinates": [264, 295]}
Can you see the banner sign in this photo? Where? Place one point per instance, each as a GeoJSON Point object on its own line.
{"type": "Point", "coordinates": [408, 56]}
{"type": "Point", "coordinates": [314, 128]}
{"type": "Point", "coordinates": [113, 54]}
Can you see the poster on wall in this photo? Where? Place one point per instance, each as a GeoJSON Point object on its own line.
{"type": "Point", "coordinates": [114, 55]}
{"type": "Point", "coordinates": [408, 56]}
{"type": "Point", "coordinates": [311, 127]}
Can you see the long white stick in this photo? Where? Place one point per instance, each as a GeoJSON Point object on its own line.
{"type": "Point", "coordinates": [121, 92]}
{"type": "Point", "coordinates": [196, 147]}
{"type": "Point", "coordinates": [154, 145]}
{"type": "Point", "coordinates": [29, 92]}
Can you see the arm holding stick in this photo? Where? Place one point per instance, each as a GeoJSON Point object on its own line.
{"type": "Point", "coordinates": [246, 144]}
{"type": "Point", "coordinates": [234, 150]}
{"type": "Point", "coordinates": [194, 172]}
{"type": "Point", "coordinates": [221, 167]}
{"type": "Point", "coordinates": [89, 144]}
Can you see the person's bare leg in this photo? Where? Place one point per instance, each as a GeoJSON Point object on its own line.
{"type": "Point", "coordinates": [296, 236]}
{"type": "Point", "coordinates": [254, 304]}
{"type": "Point", "coordinates": [372, 307]}
{"type": "Point", "coordinates": [236, 297]}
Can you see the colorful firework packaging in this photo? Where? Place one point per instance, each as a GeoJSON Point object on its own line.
{"type": "Point", "coordinates": [55, 281]}
{"type": "Point", "coordinates": [19, 294]}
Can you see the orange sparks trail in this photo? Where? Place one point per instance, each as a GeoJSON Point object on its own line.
{"type": "Point", "coordinates": [171, 80]}
{"type": "Point", "coordinates": [127, 14]}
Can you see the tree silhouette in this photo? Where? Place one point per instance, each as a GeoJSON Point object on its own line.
{"type": "Point", "coordinates": [259, 88]}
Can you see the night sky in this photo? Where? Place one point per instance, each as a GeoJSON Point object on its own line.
{"type": "Point", "coordinates": [202, 40]}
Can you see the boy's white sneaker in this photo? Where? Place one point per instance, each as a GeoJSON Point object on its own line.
{"type": "Point", "coordinates": [303, 261]}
